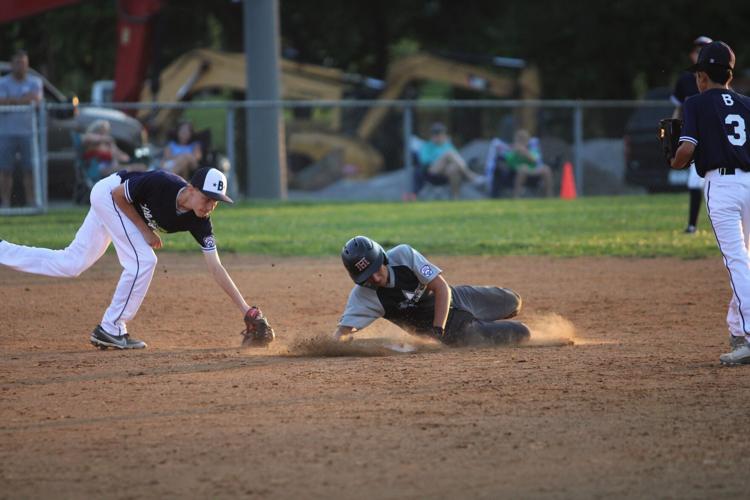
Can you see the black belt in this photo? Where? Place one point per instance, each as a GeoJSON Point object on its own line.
{"type": "Point", "coordinates": [726, 171]}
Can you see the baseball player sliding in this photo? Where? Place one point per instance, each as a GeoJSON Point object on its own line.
{"type": "Point", "coordinates": [127, 209]}
{"type": "Point", "coordinates": [403, 287]}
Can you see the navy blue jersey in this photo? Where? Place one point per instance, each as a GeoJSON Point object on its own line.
{"type": "Point", "coordinates": [716, 121]}
{"type": "Point", "coordinates": [154, 196]}
{"type": "Point", "coordinates": [684, 88]}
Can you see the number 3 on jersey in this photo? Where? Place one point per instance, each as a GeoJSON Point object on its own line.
{"type": "Point", "coordinates": [739, 134]}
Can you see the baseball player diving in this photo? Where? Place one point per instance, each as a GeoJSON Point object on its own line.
{"type": "Point", "coordinates": [715, 134]}
{"type": "Point", "coordinates": [129, 209]}
{"type": "Point", "coordinates": [403, 287]}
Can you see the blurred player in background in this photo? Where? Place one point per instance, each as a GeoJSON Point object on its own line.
{"type": "Point", "coordinates": [684, 88]}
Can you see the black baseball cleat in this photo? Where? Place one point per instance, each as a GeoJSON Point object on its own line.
{"type": "Point", "coordinates": [103, 340]}
{"type": "Point", "coordinates": [690, 229]}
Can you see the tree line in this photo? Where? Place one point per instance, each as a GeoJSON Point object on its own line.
{"type": "Point", "coordinates": [584, 49]}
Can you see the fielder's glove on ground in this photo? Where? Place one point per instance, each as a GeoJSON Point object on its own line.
{"type": "Point", "coordinates": [669, 137]}
{"type": "Point", "coordinates": [257, 332]}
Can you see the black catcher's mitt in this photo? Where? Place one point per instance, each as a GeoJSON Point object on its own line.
{"type": "Point", "coordinates": [669, 137]}
{"type": "Point", "coordinates": [257, 332]}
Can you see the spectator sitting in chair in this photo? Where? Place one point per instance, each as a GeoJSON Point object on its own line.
{"type": "Point", "coordinates": [441, 164]}
{"type": "Point", "coordinates": [183, 156]}
{"type": "Point", "coordinates": [101, 155]}
{"type": "Point", "coordinates": [525, 160]}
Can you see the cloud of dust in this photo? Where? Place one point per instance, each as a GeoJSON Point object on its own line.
{"type": "Point", "coordinates": [550, 330]}
{"type": "Point", "coordinates": [382, 338]}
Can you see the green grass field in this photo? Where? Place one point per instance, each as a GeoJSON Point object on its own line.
{"type": "Point", "coordinates": [627, 226]}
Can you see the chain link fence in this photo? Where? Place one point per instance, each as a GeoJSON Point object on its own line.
{"type": "Point", "coordinates": [357, 150]}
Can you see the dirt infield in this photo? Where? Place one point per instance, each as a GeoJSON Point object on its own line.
{"type": "Point", "coordinates": [638, 407]}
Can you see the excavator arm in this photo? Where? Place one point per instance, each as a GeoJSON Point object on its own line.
{"type": "Point", "coordinates": [205, 69]}
{"type": "Point", "coordinates": [419, 67]}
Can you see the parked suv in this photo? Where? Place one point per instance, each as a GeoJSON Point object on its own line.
{"type": "Point", "coordinates": [644, 163]}
{"type": "Point", "coordinates": [128, 132]}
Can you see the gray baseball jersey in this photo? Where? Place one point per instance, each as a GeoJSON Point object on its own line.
{"type": "Point", "coordinates": [406, 302]}
{"type": "Point", "coordinates": [402, 300]}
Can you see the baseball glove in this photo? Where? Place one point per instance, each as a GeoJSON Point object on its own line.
{"type": "Point", "coordinates": [257, 332]}
{"type": "Point", "coordinates": [669, 137]}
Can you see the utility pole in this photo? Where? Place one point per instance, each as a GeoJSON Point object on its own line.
{"type": "Point", "coordinates": [264, 127]}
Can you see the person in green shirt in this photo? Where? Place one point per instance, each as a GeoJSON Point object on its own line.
{"type": "Point", "coordinates": [525, 160]}
{"type": "Point", "coordinates": [441, 164]}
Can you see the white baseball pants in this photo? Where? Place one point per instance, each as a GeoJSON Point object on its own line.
{"type": "Point", "coordinates": [104, 223]}
{"type": "Point", "coordinates": [728, 206]}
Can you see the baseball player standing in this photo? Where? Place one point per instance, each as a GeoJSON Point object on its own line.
{"type": "Point", "coordinates": [684, 88]}
{"type": "Point", "coordinates": [403, 287]}
{"type": "Point", "coordinates": [715, 131]}
{"type": "Point", "coordinates": [127, 209]}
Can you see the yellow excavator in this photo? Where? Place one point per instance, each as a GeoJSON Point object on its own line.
{"type": "Point", "coordinates": [202, 70]}
{"type": "Point", "coordinates": [315, 139]}
{"type": "Point", "coordinates": [426, 67]}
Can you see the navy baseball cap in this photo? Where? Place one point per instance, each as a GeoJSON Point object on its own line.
{"type": "Point", "coordinates": [714, 54]}
{"type": "Point", "coordinates": [212, 183]}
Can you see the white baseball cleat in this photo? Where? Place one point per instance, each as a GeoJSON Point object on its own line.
{"type": "Point", "coordinates": [740, 355]}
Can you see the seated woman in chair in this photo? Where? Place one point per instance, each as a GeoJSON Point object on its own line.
{"type": "Point", "coordinates": [183, 155]}
{"type": "Point", "coordinates": [441, 164]}
{"type": "Point", "coordinates": [101, 155]}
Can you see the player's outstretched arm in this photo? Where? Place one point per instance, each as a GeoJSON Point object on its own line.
{"type": "Point", "coordinates": [683, 155]}
{"type": "Point", "coordinates": [222, 278]}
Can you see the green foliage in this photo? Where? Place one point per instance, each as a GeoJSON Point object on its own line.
{"type": "Point", "coordinates": [627, 226]}
{"type": "Point", "coordinates": [72, 46]}
{"type": "Point", "coordinates": [584, 49]}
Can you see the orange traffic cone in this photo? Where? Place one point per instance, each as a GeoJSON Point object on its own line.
{"type": "Point", "coordinates": [568, 184]}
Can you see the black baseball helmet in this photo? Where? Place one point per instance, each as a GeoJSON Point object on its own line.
{"type": "Point", "coordinates": [362, 257]}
